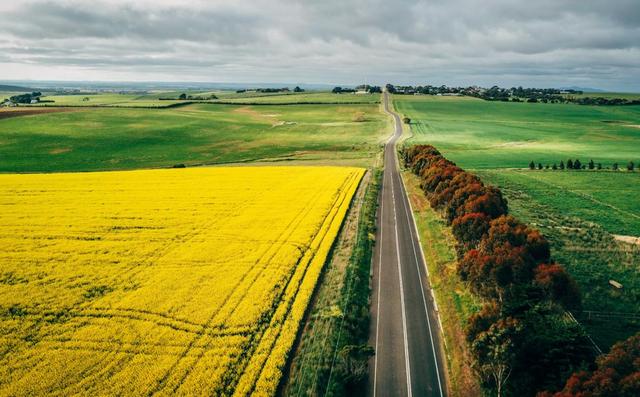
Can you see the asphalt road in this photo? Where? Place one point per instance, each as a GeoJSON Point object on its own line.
{"type": "Point", "coordinates": [404, 328]}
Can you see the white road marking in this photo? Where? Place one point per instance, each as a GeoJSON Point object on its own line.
{"type": "Point", "coordinates": [404, 314]}
{"type": "Point", "coordinates": [375, 365]}
{"type": "Point", "coordinates": [424, 300]}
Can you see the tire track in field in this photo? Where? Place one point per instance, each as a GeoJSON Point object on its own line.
{"type": "Point", "coordinates": [304, 352]}
{"type": "Point", "coordinates": [335, 209]}
{"type": "Point", "coordinates": [287, 231]}
{"type": "Point", "coordinates": [275, 303]}
{"type": "Point", "coordinates": [583, 195]}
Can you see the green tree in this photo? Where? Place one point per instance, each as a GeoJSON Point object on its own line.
{"type": "Point", "coordinates": [532, 165]}
{"type": "Point", "coordinates": [495, 352]}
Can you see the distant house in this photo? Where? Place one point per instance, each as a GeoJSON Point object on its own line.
{"type": "Point", "coordinates": [34, 101]}
{"type": "Point", "coordinates": [362, 92]}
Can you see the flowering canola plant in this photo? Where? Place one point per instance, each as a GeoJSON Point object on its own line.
{"type": "Point", "coordinates": [157, 282]}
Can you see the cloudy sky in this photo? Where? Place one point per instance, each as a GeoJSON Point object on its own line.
{"type": "Point", "coordinates": [589, 43]}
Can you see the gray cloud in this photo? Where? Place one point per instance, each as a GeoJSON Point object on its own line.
{"type": "Point", "coordinates": [546, 42]}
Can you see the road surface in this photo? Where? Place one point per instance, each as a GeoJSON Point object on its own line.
{"type": "Point", "coordinates": [404, 328]}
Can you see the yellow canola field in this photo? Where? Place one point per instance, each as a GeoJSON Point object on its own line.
{"type": "Point", "coordinates": [161, 282]}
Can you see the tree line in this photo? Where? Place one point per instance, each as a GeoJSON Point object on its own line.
{"type": "Point", "coordinates": [371, 89]}
{"type": "Point", "coordinates": [26, 98]}
{"type": "Point", "coordinates": [520, 340]}
{"type": "Point", "coordinates": [187, 97]}
{"type": "Point", "coordinates": [578, 165]}
{"type": "Point", "coordinates": [270, 90]}
{"type": "Point", "coordinates": [514, 94]}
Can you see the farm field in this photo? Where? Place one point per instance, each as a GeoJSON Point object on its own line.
{"type": "Point", "coordinates": [109, 138]}
{"type": "Point", "coordinates": [609, 199]}
{"type": "Point", "coordinates": [147, 281]}
{"type": "Point", "coordinates": [580, 222]}
{"type": "Point", "coordinates": [580, 212]}
{"type": "Point", "coordinates": [7, 94]}
{"type": "Point", "coordinates": [106, 100]}
{"type": "Point", "coordinates": [310, 97]}
{"type": "Point", "coordinates": [152, 99]}
{"type": "Point", "coordinates": [482, 134]}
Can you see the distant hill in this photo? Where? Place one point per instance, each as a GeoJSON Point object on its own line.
{"type": "Point", "coordinates": [15, 88]}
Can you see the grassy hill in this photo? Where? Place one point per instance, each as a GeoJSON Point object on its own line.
{"type": "Point", "coordinates": [114, 138]}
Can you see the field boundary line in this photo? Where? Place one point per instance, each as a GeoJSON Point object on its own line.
{"type": "Point", "coordinates": [584, 195]}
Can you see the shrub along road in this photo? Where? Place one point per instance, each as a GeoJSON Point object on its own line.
{"type": "Point", "coordinates": [404, 328]}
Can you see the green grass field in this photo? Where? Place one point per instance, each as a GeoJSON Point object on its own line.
{"type": "Point", "coordinates": [609, 199]}
{"type": "Point", "coordinates": [152, 99]}
{"type": "Point", "coordinates": [106, 100]}
{"type": "Point", "coordinates": [579, 220]}
{"type": "Point", "coordinates": [578, 211]}
{"type": "Point", "coordinates": [109, 138]}
{"type": "Point", "coordinates": [306, 97]}
{"type": "Point", "coordinates": [482, 134]}
{"type": "Point", "coordinates": [7, 94]}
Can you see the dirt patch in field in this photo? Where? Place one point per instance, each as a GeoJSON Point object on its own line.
{"type": "Point", "coordinates": [514, 144]}
{"type": "Point", "coordinates": [627, 239]}
{"type": "Point", "coordinates": [60, 150]}
{"type": "Point", "coordinates": [5, 114]}
{"type": "Point", "coordinates": [632, 125]}
{"type": "Point", "coordinates": [281, 123]}
{"type": "Point", "coordinates": [336, 124]}
{"type": "Point", "coordinates": [269, 118]}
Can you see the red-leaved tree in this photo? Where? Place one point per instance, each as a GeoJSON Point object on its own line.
{"type": "Point", "coordinates": [554, 280]}
{"type": "Point", "coordinates": [617, 374]}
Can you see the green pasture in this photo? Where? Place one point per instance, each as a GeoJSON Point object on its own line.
{"type": "Point", "coordinates": [305, 97]}
{"type": "Point", "coordinates": [482, 134]}
{"type": "Point", "coordinates": [125, 138]}
{"type": "Point", "coordinates": [152, 99]}
{"type": "Point", "coordinates": [579, 212]}
{"type": "Point", "coordinates": [607, 198]}
{"type": "Point", "coordinates": [106, 100]}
